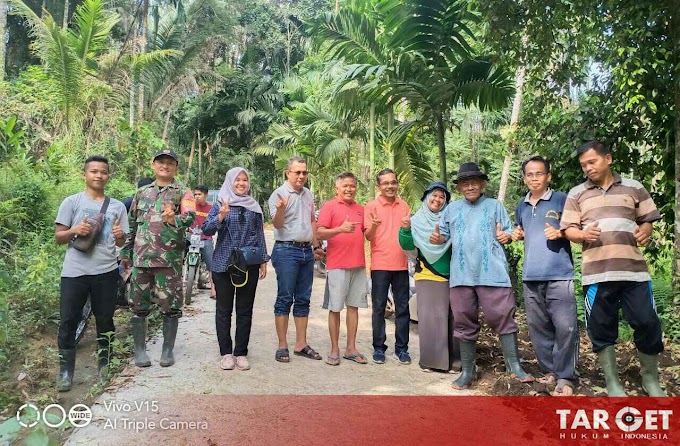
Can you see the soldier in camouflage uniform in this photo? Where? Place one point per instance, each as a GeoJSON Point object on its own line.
{"type": "Point", "coordinates": [158, 222]}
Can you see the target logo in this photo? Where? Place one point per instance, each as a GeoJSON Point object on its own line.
{"type": "Point", "coordinates": [629, 419]}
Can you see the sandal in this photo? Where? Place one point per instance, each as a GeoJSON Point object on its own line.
{"type": "Point", "coordinates": [356, 357]}
{"type": "Point", "coordinates": [282, 355]}
{"type": "Point", "coordinates": [333, 360]}
{"type": "Point", "coordinates": [308, 352]}
{"type": "Point", "coordinates": [564, 388]}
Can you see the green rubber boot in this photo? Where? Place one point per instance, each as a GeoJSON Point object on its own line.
{"type": "Point", "coordinates": [169, 335]}
{"type": "Point", "coordinates": [511, 358]}
{"type": "Point", "coordinates": [607, 357]}
{"type": "Point", "coordinates": [467, 357]}
{"type": "Point", "coordinates": [67, 365]}
{"type": "Point", "coordinates": [138, 328]}
{"type": "Point", "coordinates": [649, 371]}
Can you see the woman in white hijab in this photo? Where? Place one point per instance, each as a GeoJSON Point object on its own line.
{"type": "Point", "coordinates": [237, 220]}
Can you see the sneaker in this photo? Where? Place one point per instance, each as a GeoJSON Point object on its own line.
{"type": "Point", "coordinates": [404, 358]}
{"type": "Point", "coordinates": [227, 362]}
{"type": "Point", "coordinates": [379, 357]}
{"type": "Point", "coordinates": [242, 363]}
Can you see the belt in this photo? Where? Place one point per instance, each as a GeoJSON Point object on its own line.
{"type": "Point", "coordinates": [294, 243]}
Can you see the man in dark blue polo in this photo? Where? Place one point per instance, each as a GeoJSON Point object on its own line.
{"type": "Point", "coordinates": [548, 277]}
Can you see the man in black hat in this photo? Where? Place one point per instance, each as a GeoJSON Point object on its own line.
{"type": "Point", "coordinates": [159, 217]}
{"type": "Point", "coordinates": [478, 226]}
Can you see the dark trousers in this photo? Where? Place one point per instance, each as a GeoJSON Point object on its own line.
{"type": "Point", "coordinates": [602, 314]}
{"type": "Point", "coordinates": [380, 285]}
{"type": "Point", "coordinates": [103, 292]}
{"type": "Point", "coordinates": [245, 298]}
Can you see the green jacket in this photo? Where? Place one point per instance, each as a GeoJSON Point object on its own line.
{"type": "Point", "coordinates": [442, 266]}
{"type": "Point", "coordinates": [152, 243]}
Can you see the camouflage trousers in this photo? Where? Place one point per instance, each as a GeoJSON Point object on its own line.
{"type": "Point", "coordinates": [160, 286]}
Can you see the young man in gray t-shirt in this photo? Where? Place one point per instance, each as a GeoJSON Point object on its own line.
{"type": "Point", "coordinates": [92, 273]}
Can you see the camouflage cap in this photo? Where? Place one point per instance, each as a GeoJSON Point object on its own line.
{"type": "Point", "coordinates": [166, 152]}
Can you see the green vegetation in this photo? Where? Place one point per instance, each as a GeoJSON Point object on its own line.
{"type": "Point", "coordinates": [418, 85]}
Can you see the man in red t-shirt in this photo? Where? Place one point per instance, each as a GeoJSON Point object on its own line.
{"type": "Point", "coordinates": [341, 222]}
{"type": "Point", "coordinates": [202, 209]}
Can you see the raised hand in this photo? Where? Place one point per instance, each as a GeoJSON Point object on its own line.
{"type": "Point", "coordinates": [375, 221]}
{"type": "Point", "coordinates": [281, 202]}
{"type": "Point", "coordinates": [406, 222]}
{"type": "Point", "coordinates": [436, 238]}
{"type": "Point", "coordinates": [224, 210]}
{"type": "Point", "coordinates": [168, 214]}
{"type": "Point", "coordinates": [551, 233]}
{"type": "Point", "coordinates": [517, 233]}
{"type": "Point", "coordinates": [117, 230]}
{"type": "Point", "coordinates": [592, 233]}
{"type": "Point", "coordinates": [83, 228]}
{"type": "Point", "coordinates": [502, 237]}
{"type": "Point", "coordinates": [348, 226]}
{"type": "Point", "coordinates": [643, 235]}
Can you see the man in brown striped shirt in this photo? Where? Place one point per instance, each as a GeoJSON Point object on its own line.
{"type": "Point", "coordinates": [611, 217]}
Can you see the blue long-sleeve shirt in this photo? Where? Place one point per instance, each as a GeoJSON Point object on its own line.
{"type": "Point", "coordinates": [241, 227]}
{"type": "Point", "coordinates": [478, 259]}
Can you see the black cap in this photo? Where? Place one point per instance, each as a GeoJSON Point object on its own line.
{"type": "Point", "coordinates": [436, 185]}
{"type": "Point", "coordinates": [166, 152]}
{"type": "Point", "coordinates": [469, 170]}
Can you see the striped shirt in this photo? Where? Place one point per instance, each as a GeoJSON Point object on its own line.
{"type": "Point", "coordinates": [618, 210]}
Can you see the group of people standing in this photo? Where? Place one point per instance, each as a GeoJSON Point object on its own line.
{"type": "Point", "coordinates": [457, 248]}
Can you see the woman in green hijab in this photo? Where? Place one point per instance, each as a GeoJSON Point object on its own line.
{"type": "Point", "coordinates": [438, 348]}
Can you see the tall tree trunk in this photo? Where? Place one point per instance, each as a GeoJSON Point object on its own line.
{"type": "Point", "coordinates": [191, 160]}
{"type": "Point", "coordinates": [165, 128]}
{"type": "Point", "coordinates": [514, 118]}
{"type": "Point", "coordinates": [371, 150]}
{"type": "Point", "coordinates": [390, 127]}
{"type": "Point", "coordinates": [200, 159]}
{"type": "Point", "coordinates": [675, 34]}
{"type": "Point", "coordinates": [3, 30]}
{"type": "Point", "coordinates": [64, 21]}
{"type": "Point", "coordinates": [141, 47]}
{"type": "Point", "coordinates": [441, 144]}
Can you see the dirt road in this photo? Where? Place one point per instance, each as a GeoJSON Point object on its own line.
{"type": "Point", "coordinates": [146, 402]}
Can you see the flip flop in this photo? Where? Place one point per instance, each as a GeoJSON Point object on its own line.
{"type": "Point", "coordinates": [356, 357]}
{"type": "Point", "coordinates": [282, 355]}
{"type": "Point", "coordinates": [333, 360]}
{"type": "Point", "coordinates": [308, 352]}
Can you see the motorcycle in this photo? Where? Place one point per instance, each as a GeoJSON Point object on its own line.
{"type": "Point", "coordinates": [320, 259]}
{"type": "Point", "coordinates": [193, 262]}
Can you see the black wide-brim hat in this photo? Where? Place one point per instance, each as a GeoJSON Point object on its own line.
{"type": "Point", "coordinates": [436, 185]}
{"type": "Point", "coordinates": [469, 170]}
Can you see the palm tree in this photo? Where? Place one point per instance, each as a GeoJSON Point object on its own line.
{"type": "Point", "coordinates": [415, 52]}
{"type": "Point", "coordinates": [71, 56]}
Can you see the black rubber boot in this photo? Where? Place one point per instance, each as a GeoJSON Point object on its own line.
{"type": "Point", "coordinates": [649, 371]}
{"type": "Point", "coordinates": [610, 368]}
{"type": "Point", "coordinates": [511, 358]}
{"type": "Point", "coordinates": [169, 335]}
{"type": "Point", "coordinates": [138, 327]}
{"type": "Point", "coordinates": [67, 365]}
{"type": "Point", "coordinates": [467, 357]}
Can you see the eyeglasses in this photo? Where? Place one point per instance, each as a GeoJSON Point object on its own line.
{"type": "Point", "coordinates": [535, 174]}
{"type": "Point", "coordinates": [391, 183]}
{"type": "Point", "coordinates": [299, 172]}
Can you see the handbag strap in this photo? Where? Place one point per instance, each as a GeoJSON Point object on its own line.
{"type": "Point", "coordinates": [105, 206]}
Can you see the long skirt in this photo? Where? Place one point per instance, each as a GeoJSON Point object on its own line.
{"type": "Point", "coordinates": [438, 348]}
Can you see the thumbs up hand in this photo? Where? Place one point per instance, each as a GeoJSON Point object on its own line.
{"type": "Point", "coordinates": [83, 228]}
{"type": "Point", "coordinates": [518, 233]}
{"type": "Point", "coordinates": [406, 222]}
{"type": "Point", "coordinates": [436, 238]}
{"type": "Point", "coordinates": [552, 233]}
{"type": "Point", "coordinates": [592, 233]}
{"type": "Point", "coordinates": [643, 234]}
{"type": "Point", "coordinates": [502, 237]}
{"type": "Point", "coordinates": [348, 226]}
{"type": "Point", "coordinates": [117, 230]}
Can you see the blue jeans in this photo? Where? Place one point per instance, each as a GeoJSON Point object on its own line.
{"type": "Point", "coordinates": [294, 273]}
{"type": "Point", "coordinates": [380, 285]}
{"type": "Point", "coordinates": [207, 249]}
